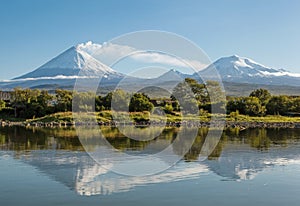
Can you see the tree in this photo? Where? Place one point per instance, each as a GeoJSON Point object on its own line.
{"type": "Point", "coordinates": [295, 105]}
{"type": "Point", "coordinates": [215, 93]}
{"type": "Point", "coordinates": [99, 103]}
{"type": "Point", "coordinates": [199, 90]}
{"type": "Point", "coordinates": [278, 105]}
{"type": "Point", "coordinates": [64, 100]}
{"type": "Point", "coordinates": [168, 108]}
{"type": "Point", "coordinates": [120, 100]}
{"type": "Point", "coordinates": [183, 90]}
{"type": "Point", "coordinates": [176, 106]}
{"type": "Point", "coordinates": [83, 101]}
{"type": "Point", "coordinates": [253, 107]}
{"type": "Point", "coordinates": [25, 102]}
{"type": "Point", "coordinates": [262, 94]}
{"type": "Point", "coordinates": [189, 93]}
{"type": "Point", "coordinates": [140, 102]}
{"type": "Point", "coordinates": [106, 101]}
{"type": "Point", "coordinates": [246, 105]}
{"type": "Point", "coordinates": [2, 104]}
{"type": "Point", "coordinates": [235, 104]}
{"type": "Point", "coordinates": [44, 100]}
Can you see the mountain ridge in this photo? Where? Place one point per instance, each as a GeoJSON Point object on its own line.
{"type": "Point", "coordinates": [78, 62]}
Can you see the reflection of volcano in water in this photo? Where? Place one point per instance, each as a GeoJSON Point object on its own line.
{"type": "Point", "coordinates": [241, 162]}
{"type": "Point", "coordinates": [238, 156]}
{"type": "Point", "coordinates": [79, 172]}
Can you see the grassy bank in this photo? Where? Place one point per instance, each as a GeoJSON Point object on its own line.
{"type": "Point", "coordinates": [269, 118]}
{"type": "Point", "coordinates": [106, 116]}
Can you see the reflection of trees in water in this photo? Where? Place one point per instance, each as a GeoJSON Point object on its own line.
{"type": "Point", "coordinates": [21, 138]}
{"type": "Point", "coordinates": [195, 150]}
{"type": "Point", "coordinates": [184, 140]}
{"type": "Point", "coordinates": [260, 138]}
{"type": "Point", "coordinates": [92, 138]}
{"type": "Point", "coordinates": [26, 139]}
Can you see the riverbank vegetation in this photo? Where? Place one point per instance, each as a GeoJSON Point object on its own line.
{"type": "Point", "coordinates": [260, 105]}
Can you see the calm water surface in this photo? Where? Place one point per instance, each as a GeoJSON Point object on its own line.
{"type": "Point", "coordinates": [50, 167]}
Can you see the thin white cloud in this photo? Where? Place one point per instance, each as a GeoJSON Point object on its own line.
{"type": "Point", "coordinates": [50, 78]}
{"type": "Point", "coordinates": [160, 58]}
{"type": "Point", "coordinates": [108, 53]}
{"type": "Point", "coordinates": [280, 73]}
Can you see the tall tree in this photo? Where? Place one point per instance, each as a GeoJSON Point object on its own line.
{"type": "Point", "coordinates": [64, 100]}
{"type": "Point", "coordinates": [262, 94]}
{"type": "Point", "coordinates": [140, 102]}
{"type": "Point", "coordinates": [2, 104]}
{"type": "Point", "coordinates": [253, 107]}
{"type": "Point", "coordinates": [278, 105]}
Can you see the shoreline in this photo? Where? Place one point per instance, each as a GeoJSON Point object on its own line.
{"type": "Point", "coordinates": [228, 124]}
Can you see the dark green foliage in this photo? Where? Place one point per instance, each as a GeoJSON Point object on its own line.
{"type": "Point", "coordinates": [98, 104]}
{"type": "Point", "coordinates": [246, 105]}
{"type": "Point", "coordinates": [29, 103]}
{"type": "Point", "coordinates": [106, 101]}
{"type": "Point", "coordinates": [64, 100]}
{"type": "Point", "coordinates": [253, 107]}
{"type": "Point", "coordinates": [168, 108]}
{"type": "Point", "coordinates": [2, 104]}
{"type": "Point", "coordinates": [262, 94]}
{"type": "Point", "coordinates": [295, 105]}
{"type": "Point", "coordinates": [139, 103]}
{"type": "Point", "coordinates": [278, 105]}
{"type": "Point", "coordinates": [235, 104]}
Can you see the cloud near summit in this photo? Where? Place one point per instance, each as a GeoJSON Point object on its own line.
{"type": "Point", "coordinates": [109, 52]}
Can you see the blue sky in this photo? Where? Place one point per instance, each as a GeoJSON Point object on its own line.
{"type": "Point", "coordinates": [32, 31]}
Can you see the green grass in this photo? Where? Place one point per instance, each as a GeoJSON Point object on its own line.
{"type": "Point", "coordinates": [12, 119]}
{"type": "Point", "coordinates": [106, 116]}
{"type": "Point", "coordinates": [57, 117]}
{"type": "Point", "coordinates": [269, 118]}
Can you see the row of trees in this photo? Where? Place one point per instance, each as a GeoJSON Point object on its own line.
{"type": "Point", "coordinates": [260, 103]}
{"type": "Point", "coordinates": [28, 103]}
{"type": "Point", "coordinates": [188, 96]}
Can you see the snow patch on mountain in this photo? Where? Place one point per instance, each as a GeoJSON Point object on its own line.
{"type": "Point", "coordinates": [280, 73]}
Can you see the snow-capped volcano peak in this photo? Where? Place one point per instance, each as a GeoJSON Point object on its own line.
{"type": "Point", "coordinates": [73, 62]}
{"type": "Point", "coordinates": [240, 63]}
{"type": "Point", "coordinates": [240, 69]}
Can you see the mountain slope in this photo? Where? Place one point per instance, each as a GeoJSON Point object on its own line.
{"type": "Point", "coordinates": [243, 70]}
{"type": "Point", "coordinates": [63, 70]}
{"type": "Point", "coordinates": [172, 75]}
{"type": "Point", "coordinates": [72, 62]}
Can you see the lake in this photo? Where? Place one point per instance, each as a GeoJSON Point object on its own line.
{"type": "Point", "coordinates": [49, 166]}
